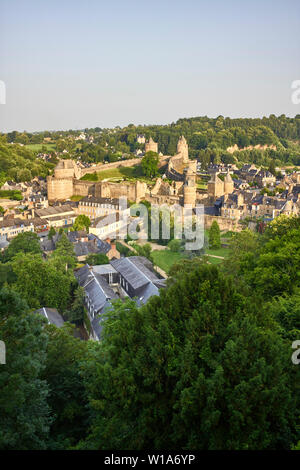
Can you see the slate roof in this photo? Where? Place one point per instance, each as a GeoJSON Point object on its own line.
{"type": "Point", "coordinates": [98, 292]}
{"type": "Point", "coordinates": [47, 245]}
{"type": "Point", "coordinates": [104, 269]}
{"type": "Point", "coordinates": [136, 270]}
{"type": "Point", "coordinates": [3, 242]}
{"type": "Point", "coordinates": [85, 248]}
{"type": "Point", "coordinates": [82, 274]}
{"type": "Point", "coordinates": [103, 246]}
{"type": "Point", "coordinates": [99, 200]}
{"type": "Point", "coordinates": [52, 315]}
{"type": "Point", "coordinates": [54, 210]}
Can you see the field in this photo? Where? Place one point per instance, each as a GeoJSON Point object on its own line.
{"type": "Point", "coordinates": [117, 174]}
{"type": "Point", "coordinates": [166, 258]}
{"type": "Point", "coordinates": [219, 252]}
{"type": "Point", "coordinates": [38, 147]}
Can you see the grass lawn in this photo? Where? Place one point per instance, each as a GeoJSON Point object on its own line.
{"type": "Point", "coordinates": [118, 174]}
{"type": "Point", "coordinates": [38, 147]}
{"type": "Point", "coordinates": [219, 252]}
{"type": "Point", "coordinates": [165, 258]}
{"type": "Point", "coordinates": [76, 198]}
{"type": "Point", "coordinates": [212, 260]}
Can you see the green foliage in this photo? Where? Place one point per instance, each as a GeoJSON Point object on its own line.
{"type": "Point", "coordinates": [25, 412]}
{"type": "Point", "coordinates": [214, 236]}
{"type": "Point", "coordinates": [17, 163]}
{"type": "Point", "coordinates": [64, 256]}
{"type": "Point", "coordinates": [97, 258]}
{"type": "Point", "coordinates": [149, 164]}
{"type": "Point", "coordinates": [82, 222]}
{"type": "Point", "coordinates": [42, 283]}
{"type": "Point", "coordinates": [175, 245]}
{"type": "Point", "coordinates": [195, 365]}
{"type": "Point", "coordinates": [11, 194]}
{"type": "Point", "coordinates": [27, 242]}
{"type": "Point", "coordinates": [76, 312]}
{"type": "Point", "coordinates": [51, 233]}
{"type": "Point", "coordinates": [67, 395]}
{"type": "Point", "coordinates": [143, 250]}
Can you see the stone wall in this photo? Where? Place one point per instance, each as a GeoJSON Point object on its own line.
{"type": "Point", "coordinates": [119, 164]}
{"type": "Point", "coordinates": [59, 189]}
{"type": "Point", "coordinates": [133, 191]}
{"type": "Point", "coordinates": [83, 188]}
{"type": "Point", "coordinates": [224, 223]}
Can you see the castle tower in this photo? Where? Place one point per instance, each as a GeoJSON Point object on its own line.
{"type": "Point", "coordinates": [183, 149]}
{"type": "Point", "coordinates": [228, 184]}
{"type": "Point", "coordinates": [151, 146]}
{"type": "Point", "coordinates": [215, 186]}
{"type": "Point", "coordinates": [60, 184]}
{"type": "Point", "coordinates": [190, 188]}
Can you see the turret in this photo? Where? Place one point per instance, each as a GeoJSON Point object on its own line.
{"type": "Point", "coordinates": [182, 149]}
{"type": "Point", "coordinates": [228, 184]}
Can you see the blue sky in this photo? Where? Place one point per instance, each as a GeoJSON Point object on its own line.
{"type": "Point", "coordinates": [69, 64]}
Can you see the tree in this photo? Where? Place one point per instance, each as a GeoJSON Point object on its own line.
{"type": "Point", "coordinates": [82, 222]}
{"type": "Point", "coordinates": [174, 245]}
{"type": "Point", "coordinates": [76, 312]}
{"type": "Point", "coordinates": [193, 368]}
{"type": "Point", "coordinates": [41, 283]}
{"type": "Point", "coordinates": [214, 236]}
{"type": "Point", "coordinates": [64, 256]}
{"type": "Point", "coordinates": [51, 233]}
{"type": "Point", "coordinates": [67, 397]}
{"type": "Point", "coordinates": [149, 164]}
{"type": "Point", "coordinates": [27, 242]}
{"type": "Point", "coordinates": [25, 413]}
{"type": "Point", "coordinates": [97, 258]}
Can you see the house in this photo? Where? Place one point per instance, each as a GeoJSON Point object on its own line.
{"type": "Point", "coordinates": [110, 226]}
{"type": "Point", "coordinates": [11, 227]}
{"type": "Point", "coordinates": [125, 277]}
{"type": "Point", "coordinates": [95, 207]}
{"type": "Point", "coordinates": [52, 316]}
{"type": "Point", "coordinates": [140, 138]}
{"type": "Point", "coordinates": [137, 278]}
{"type": "Point", "coordinates": [57, 216]}
{"type": "Point", "coordinates": [84, 244]}
{"type": "Point", "coordinates": [98, 296]}
{"type": "Point", "coordinates": [265, 178]}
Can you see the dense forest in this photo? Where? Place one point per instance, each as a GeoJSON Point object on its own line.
{"type": "Point", "coordinates": [204, 365]}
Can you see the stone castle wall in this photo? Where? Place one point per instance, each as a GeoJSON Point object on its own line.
{"type": "Point", "coordinates": [59, 189]}
{"type": "Point", "coordinates": [224, 223]}
{"type": "Point", "coordinates": [133, 191]}
{"type": "Point", "coordinates": [119, 164]}
{"type": "Point", "coordinates": [83, 188]}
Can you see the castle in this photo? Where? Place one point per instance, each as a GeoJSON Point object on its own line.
{"type": "Point", "coordinates": [65, 182]}
{"type": "Point", "coordinates": [217, 188]}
